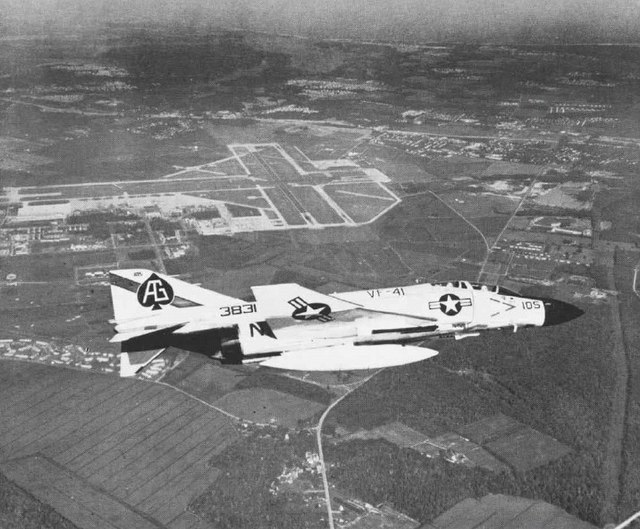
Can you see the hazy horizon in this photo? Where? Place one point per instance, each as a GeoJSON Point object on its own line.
{"type": "Point", "coordinates": [563, 21]}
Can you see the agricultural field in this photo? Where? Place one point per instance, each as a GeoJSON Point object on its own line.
{"type": "Point", "coordinates": [71, 496]}
{"type": "Point", "coordinates": [21, 509]}
{"type": "Point", "coordinates": [494, 510]}
{"type": "Point", "coordinates": [90, 428]}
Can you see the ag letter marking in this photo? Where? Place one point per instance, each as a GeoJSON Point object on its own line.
{"type": "Point", "coordinates": [155, 292]}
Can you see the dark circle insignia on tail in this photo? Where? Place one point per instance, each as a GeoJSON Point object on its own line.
{"type": "Point", "coordinates": [155, 292]}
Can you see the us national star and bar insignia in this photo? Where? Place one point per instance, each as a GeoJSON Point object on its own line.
{"type": "Point", "coordinates": [309, 311]}
{"type": "Point", "coordinates": [450, 304]}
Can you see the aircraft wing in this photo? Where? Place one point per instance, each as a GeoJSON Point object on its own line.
{"type": "Point", "coordinates": [296, 303]}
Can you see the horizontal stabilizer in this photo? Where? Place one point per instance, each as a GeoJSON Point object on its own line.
{"type": "Point", "coordinates": [349, 357]}
{"type": "Point", "coordinates": [138, 333]}
{"type": "Point", "coordinates": [197, 326]}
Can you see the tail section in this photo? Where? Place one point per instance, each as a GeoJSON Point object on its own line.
{"type": "Point", "coordinates": [138, 293]}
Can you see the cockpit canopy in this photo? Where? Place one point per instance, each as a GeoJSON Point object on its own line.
{"type": "Point", "coordinates": [477, 286]}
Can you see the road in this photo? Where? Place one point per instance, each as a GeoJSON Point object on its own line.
{"type": "Point", "coordinates": [61, 110]}
{"type": "Point", "coordinates": [486, 243]}
{"type": "Point", "coordinates": [325, 481]}
{"type": "Point", "coordinates": [515, 212]}
{"type": "Point", "coordinates": [154, 243]}
{"type": "Point", "coordinates": [612, 462]}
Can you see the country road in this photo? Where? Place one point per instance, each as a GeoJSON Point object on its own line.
{"type": "Point", "coordinates": [325, 481]}
{"type": "Point", "coordinates": [612, 463]}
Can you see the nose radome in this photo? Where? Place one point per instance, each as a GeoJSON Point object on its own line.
{"type": "Point", "coordinates": [556, 311]}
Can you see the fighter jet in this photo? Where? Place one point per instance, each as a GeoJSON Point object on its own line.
{"type": "Point", "coordinates": [292, 327]}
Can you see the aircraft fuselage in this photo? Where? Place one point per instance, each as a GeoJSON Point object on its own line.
{"type": "Point", "coordinates": [292, 327]}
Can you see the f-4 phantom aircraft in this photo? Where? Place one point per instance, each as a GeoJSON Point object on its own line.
{"type": "Point", "coordinates": [292, 327]}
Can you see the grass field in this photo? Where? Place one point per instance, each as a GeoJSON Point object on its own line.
{"type": "Point", "coordinates": [506, 169]}
{"type": "Point", "coordinates": [79, 191]}
{"type": "Point", "coordinates": [404, 172]}
{"type": "Point", "coordinates": [52, 267]}
{"type": "Point", "coordinates": [472, 205]}
{"type": "Point", "coordinates": [316, 205]}
{"type": "Point", "coordinates": [489, 428]}
{"type": "Point", "coordinates": [424, 224]}
{"type": "Point", "coordinates": [203, 378]}
{"type": "Point", "coordinates": [267, 406]}
{"type": "Point", "coordinates": [228, 167]}
{"type": "Point", "coordinates": [527, 449]}
{"type": "Point", "coordinates": [245, 197]}
{"type": "Point", "coordinates": [195, 181]}
{"type": "Point", "coordinates": [456, 167]}
{"type": "Point", "coordinates": [361, 188]}
{"type": "Point", "coordinates": [361, 207]}
{"type": "Point", "coordinates": [277, 381]}
{"type": "Point", "coordinates": [279, 165]}
{"type": "Point", "coordinates": [326, 144]}
{"type": "Point", "coordinates": [299, 157]}
{"type": "Point", "coordinates": [288, 211]}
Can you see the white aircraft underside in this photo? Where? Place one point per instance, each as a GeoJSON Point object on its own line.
{"type": "Point", "coordinates": [291, 327]}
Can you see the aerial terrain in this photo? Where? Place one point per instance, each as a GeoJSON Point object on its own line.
{"type": "Point", "coordinates": [233, 158]}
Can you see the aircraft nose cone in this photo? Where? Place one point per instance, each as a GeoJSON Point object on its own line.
{"type": "Point", "coordinates": [556, 311]}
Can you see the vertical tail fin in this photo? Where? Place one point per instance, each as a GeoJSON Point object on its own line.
{"type": "Point", "coordinates": [138, 293]}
